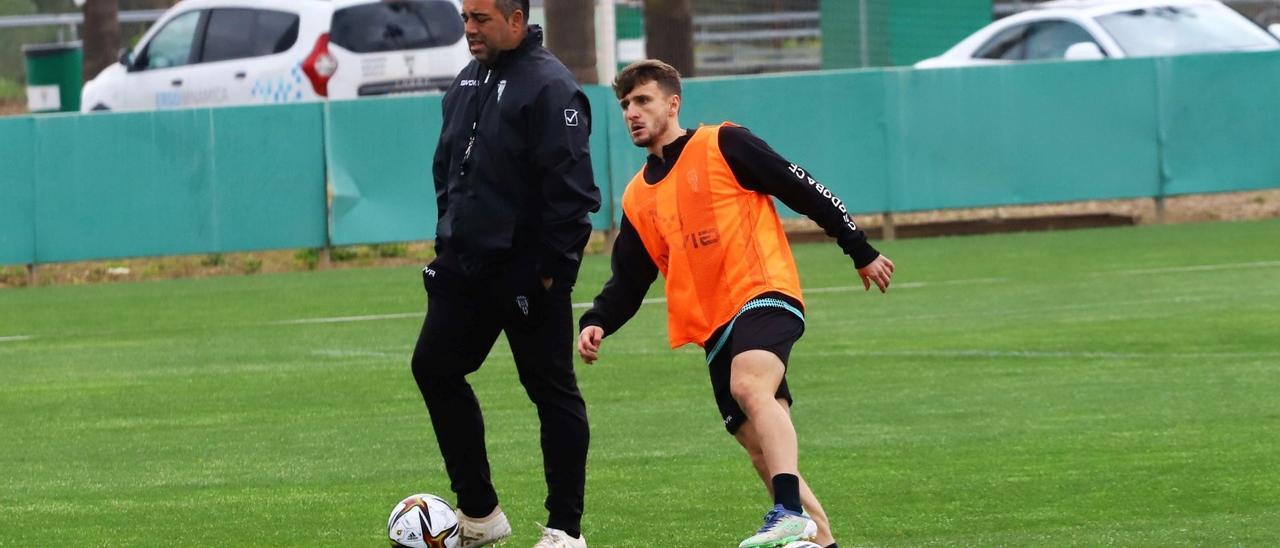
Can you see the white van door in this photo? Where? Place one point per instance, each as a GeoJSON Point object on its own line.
{"type": "Point", "coordinates": [246, 51]}
{"type": "Point", "coordinates": [166, 73]}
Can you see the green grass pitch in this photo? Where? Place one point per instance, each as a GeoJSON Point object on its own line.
{"type": "Point", "coordinates": [1093, 387]}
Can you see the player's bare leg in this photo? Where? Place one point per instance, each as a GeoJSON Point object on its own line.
{"type": "Point", "coordinates": [756, 375]}
{"type": "Point", "coordinates": [754, 380]}
{"type": "Point", "coordinates": [747, 438]}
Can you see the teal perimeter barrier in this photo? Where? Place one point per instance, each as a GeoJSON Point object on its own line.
{"type": "Point", "coordinates": [885, 140]}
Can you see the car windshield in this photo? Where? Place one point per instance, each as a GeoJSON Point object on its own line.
{"type": "Point", "coordinates": [396, 25]}
{"type": "Point", "coordinates": [1174, 30]}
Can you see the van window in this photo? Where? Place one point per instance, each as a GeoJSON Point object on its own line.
{"type": "Point", "coordinates": [237, 33]}
{"type": "Point", "coordinates": [1050, 39]}
{"type": "Point", "coordinates": [171, 47]}
{"type": "Point", "coordinates": [396, 25]}
{"type": "Point", "coordinates": [1009, 44]}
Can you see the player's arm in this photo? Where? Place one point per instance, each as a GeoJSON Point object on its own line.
{"type": "Point", "coordinates": [561, 132]}
{"type": "Point", "coordinates": [761, 169]}
{"type": "Point", "coordinates": [633, 273]}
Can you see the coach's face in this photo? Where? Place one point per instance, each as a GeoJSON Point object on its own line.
{"type": "Point", "coordinates": [649, 113]}
{"type": "Point", "coordinates": [489, 32]}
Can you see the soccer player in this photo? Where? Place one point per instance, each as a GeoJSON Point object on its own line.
{"type": "Point", "coordinates": [700, 213]}
{"type": "Point", "coordinates": [513, 188]}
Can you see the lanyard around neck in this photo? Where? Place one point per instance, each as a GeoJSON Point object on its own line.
{"type": "Point", "coordinates": [477, 107]}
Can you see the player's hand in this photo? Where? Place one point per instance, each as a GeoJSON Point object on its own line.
{"type": "Point", "coordinates": [879, 272]}
{"type": "Point", "coordinates": [589, 343]}
{"type": "Point", "coordinates": [546, 283]}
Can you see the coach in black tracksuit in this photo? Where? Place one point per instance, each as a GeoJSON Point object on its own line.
{"type": "Point", "coordinates": [513, 187]}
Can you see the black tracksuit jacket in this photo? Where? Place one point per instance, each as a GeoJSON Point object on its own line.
{"type": "Point", "coordinates": [524, 191]}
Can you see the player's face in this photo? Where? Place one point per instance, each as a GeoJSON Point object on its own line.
{"type": "Point", "coordinates": [648, 112]}
{"type": "Point", "coordinates": [488, 32]}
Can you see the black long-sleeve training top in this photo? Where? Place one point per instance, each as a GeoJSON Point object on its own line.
{"type": "Point", "coordinates": [513, 167]}
{"type": "Point", "coordinates": [758, 168]}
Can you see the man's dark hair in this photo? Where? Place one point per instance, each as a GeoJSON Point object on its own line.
{"type": "Point", "coordinates": [508, 7]}
{"type": "Point", "coordinates": [640, 73]}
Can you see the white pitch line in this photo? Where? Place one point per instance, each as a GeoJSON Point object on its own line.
{"type": "Point", "coordinates": [656, 300]}
{"type": "Point", "coordinates": [343, 319]}
{"type": "Point", "coordinates": [907, 285]}
{"type": "Point", "coordinates": [1036, 354]}
{"type": "Point", "coordinates": [16, 338]}
{"type": "Point", "coordinates": [1202, 268]}
{"type": "Point", "coordinates": [844, 288]}
{"type": "Point", "coordinates": [329, 353]}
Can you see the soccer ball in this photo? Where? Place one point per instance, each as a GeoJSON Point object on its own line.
{"type": "Point", "coordinates": [423, 521]}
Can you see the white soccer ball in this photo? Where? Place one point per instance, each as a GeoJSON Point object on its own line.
{"type": "Point", "coordinates": [423, 521]}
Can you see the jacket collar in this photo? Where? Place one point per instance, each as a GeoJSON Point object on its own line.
{"type": "Point", "coordinates": [532, 40]}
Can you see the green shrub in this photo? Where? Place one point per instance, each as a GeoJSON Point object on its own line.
{"type": "Point", "coordinates": [387, 251]}
{"type": "Point", "coordinates": [11, 90]}
{"type": "Point", "coordinates": [309, 257]}
{"type": "Point", "coordinates": [343, 254]}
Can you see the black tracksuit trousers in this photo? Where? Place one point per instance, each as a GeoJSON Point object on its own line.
{"type": "Point", "coordinates": [465, 313]}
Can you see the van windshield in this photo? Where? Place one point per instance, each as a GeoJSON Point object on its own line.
{"type": "Point", "coordinates": [396, 25]}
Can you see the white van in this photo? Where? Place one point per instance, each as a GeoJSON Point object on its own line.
{"type": "Point", "coordinates": [204, 53]}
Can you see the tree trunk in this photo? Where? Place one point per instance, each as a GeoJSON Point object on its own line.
{"type": "Point", "coordinates": [101, 35]}
{"type": "Point", "coordinates": [571, 35]}
{"type": "Point", "coordinates": [668, 33]}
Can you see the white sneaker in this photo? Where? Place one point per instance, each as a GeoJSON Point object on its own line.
{"type": "Point", "coordinates": [555, 538]}
{"type": "Point", "coordinates": [475, 532]}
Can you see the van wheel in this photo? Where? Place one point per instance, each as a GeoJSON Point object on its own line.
{"type": "Point", "coordinates": [100, 108]}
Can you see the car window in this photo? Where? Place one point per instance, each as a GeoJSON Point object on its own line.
{"type": "Point", "coordinates": [396, 25]}
{"type": "Point", "coordinates": [237, 33]}
{"type": "Point", "coordinates": [171, 47]}
{"type": "Point", "coordinates": [1173, 30]}
{"type": "Point", "coordinates": [1050, 39]}
{"type": "Point", "coordinates": [1009, 44]}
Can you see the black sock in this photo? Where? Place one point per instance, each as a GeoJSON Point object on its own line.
{"type": "Point", "coordinates": [832, 545]}
{"type": "Point", "coordinates": [479, 512]}
{"type": "Point", "coordinates": [574, 534]}
{"type": "Point", "coordinates": [786, 491]}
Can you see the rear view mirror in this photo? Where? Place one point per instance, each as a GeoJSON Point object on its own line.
{"type": "Point", "coordinates": [125, 59]}
{"type": "Point", "coordinates": [1084, 51]}
{"type": "Point", "coordinates": [1275, 29]}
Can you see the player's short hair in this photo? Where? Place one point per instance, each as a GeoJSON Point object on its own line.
{"type": "Point", "coordinates": [640, 73]}
{"type": "Point", "coordinates": [508, 7]}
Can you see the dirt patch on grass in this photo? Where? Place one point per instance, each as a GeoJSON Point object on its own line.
{"type": "Point", "coordinates": [1234, 206]}
{"type": "Point", "coordinates": [1213, 207]}
{"type": "Point", "coordinates": [217, 264]}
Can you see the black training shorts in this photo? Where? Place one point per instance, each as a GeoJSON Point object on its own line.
{"type": "Point", "coordinates": [773, 323]}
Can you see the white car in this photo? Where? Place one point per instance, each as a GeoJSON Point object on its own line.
{"type": "Point", "coordinates": [1096, 29]}
{"type": "Point", "coordinates": [204, 53]}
